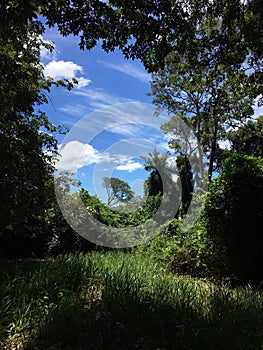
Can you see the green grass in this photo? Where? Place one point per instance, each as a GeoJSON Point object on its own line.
{"type": "Point", "coordinates": [121, 301]}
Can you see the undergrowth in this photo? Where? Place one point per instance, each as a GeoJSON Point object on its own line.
{"type": "Point", "coordinates": [118, 300]}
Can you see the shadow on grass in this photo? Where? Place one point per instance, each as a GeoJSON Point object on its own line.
{"type": "Point", "coordinates": [131, 323]}
{"type": "Point", "coordinates": [123, 301]}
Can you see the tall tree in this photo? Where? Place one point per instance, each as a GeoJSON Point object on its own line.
{"type": "Point", "coordinates": [27, 138]}
{"type": "Point", "coordinates": [207, 92]}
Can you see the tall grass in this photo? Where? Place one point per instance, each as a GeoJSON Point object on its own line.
{"type": "Point", "coordinates": [122, 301]}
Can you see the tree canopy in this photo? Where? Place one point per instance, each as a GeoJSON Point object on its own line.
{"type": "Point", "coordinates": [248, 139]}
{"type": "Point", "coordinates": [208, 87]}
{"type": "Point", "coordinates": [149, 30]}
{"type": "Point", "coordinates": [117, 190]}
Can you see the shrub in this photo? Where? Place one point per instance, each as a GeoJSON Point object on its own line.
{"type": "Point", "coordinates": [234, 215]}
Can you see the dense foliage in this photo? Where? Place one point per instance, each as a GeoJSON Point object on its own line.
{"type": "Point", "coordinates": [234, 215]}
{"type": "Point", "coordinates": [150, 30]}
{"type": "Point", "coordinates": [27, 138]}
{"type": "Point", "coordinates": [26, 152]}
{"type": "Point", "coordinates": [121, 216]}
{"type": "Point", "coordinates": [248, 139]}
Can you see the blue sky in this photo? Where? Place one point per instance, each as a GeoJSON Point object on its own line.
{"type": "Point", "coordinates": [109, 114]}
{"type": "Point", "coordinates": [110, 117]}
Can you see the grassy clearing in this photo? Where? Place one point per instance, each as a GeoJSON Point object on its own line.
{"type": "Point", "coordinates": [121, 301]}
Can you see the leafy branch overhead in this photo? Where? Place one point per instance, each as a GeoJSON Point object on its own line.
{"type": "Point", "coordinates": [150, 30]}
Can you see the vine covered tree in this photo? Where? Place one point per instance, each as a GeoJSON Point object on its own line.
{"type": "Point", "coordinates": [160, 179]}
{"type": "Point", "coordinates": [234, 215]}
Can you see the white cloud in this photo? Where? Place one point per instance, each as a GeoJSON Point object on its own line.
{"type": "Point", "coordinates": [65, 70]}
{"type": "Point", "coordinates": [62, 69]}
{"type": "Point", "coordinates": [75, 155]}
{"type": "Point", "coordinates": [129, 166]}
{"type": "Point", "coordinates": [82, 82]}
{"type": "Point", "coordinates": [128, 69]}
{"type": "Point", "coordinates": [46, 53]}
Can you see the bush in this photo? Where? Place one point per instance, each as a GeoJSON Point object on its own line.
{"type": "Point", "coordinates": [234, 215]}
{"type": "Point", "coordinates": [198, 255]}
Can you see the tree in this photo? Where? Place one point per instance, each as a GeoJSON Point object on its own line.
{"type": "Point", "coordinates": [205, 93]}
{"type": "Point", "coordinates": [62, 238]}
{"type": "Point", "coordinates": [187, 183]}
{"type": "Point", "coordinates": [164, 183]}
{"type": "Point", "coordinates": [140, 29]}
{"type": "Point", "coordinates": [27, 138]}
{"type": "Point", "coordinates": [117, 190]}
{"type": "Point", "coordinates": [160, 179]}
{"type": "Point", "coordinates": [150, 30]}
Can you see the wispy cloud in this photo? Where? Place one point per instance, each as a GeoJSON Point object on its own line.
{"type": "Point", "coordinates": [127, 130]}
{"type": "Point", "coordinates": [130, 166]}
{"type": "Point", "coordinates": [75, 109]}
{"type": "Point", "coordinates": [132, 120]}
{"type": "Point", "coordinates": [98, 98]}
{"type": "Point", "coordinates": [128, 69]}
